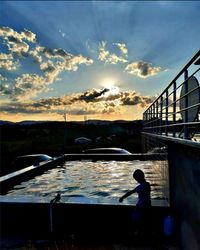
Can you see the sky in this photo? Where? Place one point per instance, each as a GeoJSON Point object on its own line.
{"type": "Point", "coordinates": [91, 59]}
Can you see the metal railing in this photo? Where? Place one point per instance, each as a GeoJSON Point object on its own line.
{"type": "Point", "coordinates": [175, 112]}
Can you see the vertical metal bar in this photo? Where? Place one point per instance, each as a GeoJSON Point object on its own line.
{"type": "Point", "coordinates": [186, 105]}
{"type": "Point", "coordinates": [149, 115]}
{"type": "Point", "coordinates": [174, 109]}
{"type": "Point", "coordinates": [161, 112]}
{"type": "Point", "coordinates": [166, 113]}
{"type": "Point", "coordinates": [144, 120]}
{"type": "Point", "coordinates": [153, 109]}
{"type": "Point", "coordinates": [150, 119]}
{"type": "Point", "coordinates": [157, 119]}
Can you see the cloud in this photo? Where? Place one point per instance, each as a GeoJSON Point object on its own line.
{"type": "Point", "coordinates": [133, 98]}
{"type": "Point", "coordinates": [104, 55]}
{"type": "Point", "coordinates": [91, 102]}
{"type": "Point", "coordinates": [16, 45]}
{"type": "Point", "coordinates": [122, 47]}
{"type": "Point", "coordinates": [90, 95]}
{"type": "Point", "coordinates": [28, 35]}
{"type": "Point", "coordinates": [65, 62]}
{"type": "Point", "coordinates": [62, 33]}
{"type": "Point", "coordinates": [2, 78]}
{"type": "Point", "coordinates": [51, 62]}
{"type": "Point", "coordinates": [114, 59]}
{"type": "Point", "coordinates": [7, 62]}
{"type": "Point", "coordinates": [35, 53]}
{"type": "Point", "coordinates": [70, 62]}
{"type": "Point", "coordinates": [142, 69]}
{"type": "Point", "coordinates": [24, 35]}
{"type": "Point", "coordinates": [26, 86]}
{"type": "Point", "coordinates": [4, 86]}
{"type": "Point", "coordinates": [15, 41]}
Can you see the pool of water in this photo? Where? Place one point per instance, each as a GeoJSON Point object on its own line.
{"type": "Point", "coordinates": [95, 182]}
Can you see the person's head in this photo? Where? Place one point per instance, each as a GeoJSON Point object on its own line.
{"type": "Point", "coordinates": [138, 175]}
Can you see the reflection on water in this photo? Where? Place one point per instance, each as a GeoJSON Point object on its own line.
{"type": "Point", "coordinates": [101, 180]}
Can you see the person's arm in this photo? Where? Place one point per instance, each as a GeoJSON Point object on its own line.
{"type": "Point", "coordinates": [126, 195]}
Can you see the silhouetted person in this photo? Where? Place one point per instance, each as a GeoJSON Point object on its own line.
{"type": "Point", "coordinates": [141, 214]}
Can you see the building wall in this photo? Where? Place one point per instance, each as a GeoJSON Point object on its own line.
{"type": "Point", "coordinates": [184, 176]}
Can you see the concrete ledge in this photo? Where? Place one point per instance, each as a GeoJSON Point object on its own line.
{"type": "Point", "coordinates": [174, 140]}
{"type": "Point", "coordinates": [116, 157]}
{"type": "Point", "coordinates": [45, 220]}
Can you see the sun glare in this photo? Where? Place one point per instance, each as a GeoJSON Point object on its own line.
{"type": "Point", "coordinates": [110, 84]}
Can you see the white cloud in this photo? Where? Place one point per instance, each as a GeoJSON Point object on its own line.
{"type": "Point", "coordinates": [27, 86]}
{"type": "Point", "coordinates": [122, 47]}
{"type": "Point", "coordinates": [28, 35]}
{"type": "Point", "coordinates": [104, 55]}
{"type": "Point", "coordinates": [114, 59]}
{"type": "Point", "coordinates": [51, 62]}
{"type": "Point", "coordinates": [15, 41]}
{"type": "Point", "coordinates": [35, 53]}
{"type": "Point", "coordinates": [58, 61]}
{"type": "Point", "coordinates": [7, 62]}
{"type": "Point", "coordinates": [16, 45]}
{"type": "Point", "coordinates": [142, 69]}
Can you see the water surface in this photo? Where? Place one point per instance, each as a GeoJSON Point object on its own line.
{"type": "Point", "coordinates": [95, 182]}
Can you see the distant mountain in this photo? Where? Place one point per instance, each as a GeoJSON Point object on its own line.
{"type": "Point", "coordinates": [31, 122]}
{"type": "Point", "coordinates": [6, 123]}
{"type": "Point", "coordinates": [87, 122]}
{"type": "Point", "coordinates": [22, 122]}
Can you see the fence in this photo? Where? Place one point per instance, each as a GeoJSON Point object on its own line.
{"type": "Point", "coordinates": [175, 112]}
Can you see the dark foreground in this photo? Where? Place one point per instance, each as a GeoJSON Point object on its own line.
{"type": "Point", "coordinates": [75, 245]}
{"type": "Point", "coordinates": [80, 226]}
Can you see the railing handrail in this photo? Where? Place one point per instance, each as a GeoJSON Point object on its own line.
{"type": "Point", "coordinates": [164, 113]}
{"type": "Point", "coordinates": [179, 74]}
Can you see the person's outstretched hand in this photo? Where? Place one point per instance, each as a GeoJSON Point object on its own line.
{"type": "Point", "coordinates": [121, 199]}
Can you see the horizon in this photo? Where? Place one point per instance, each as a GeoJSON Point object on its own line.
{"type": "Point", "coordinates": [98, 61]}
{"type": "Point", "coordinates": [89, 120]}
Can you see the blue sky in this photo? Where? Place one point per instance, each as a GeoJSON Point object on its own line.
{"type": "Point", "coordinates": [103, 60]}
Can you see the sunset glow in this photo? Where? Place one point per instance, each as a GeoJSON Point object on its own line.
{"type": "Point", "coordinates": [102, 60]}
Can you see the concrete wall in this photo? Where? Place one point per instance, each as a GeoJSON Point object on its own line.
{"type": "Point", "coordinates": [86, 222]}
{"type": "Point", "coordinates": [184, 175]}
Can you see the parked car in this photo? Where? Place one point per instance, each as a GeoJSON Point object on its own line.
{"type": "Point", "coordinates": [28, 160]}
{"type": "Point", "coordinates": [82, 140]}
{"type": "Point", "coordinates": [106, 151]}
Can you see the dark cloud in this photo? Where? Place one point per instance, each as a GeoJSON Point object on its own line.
{"type": "Point", "coordinates": [91, 96]}
{"type": "Point", "coordinates": [90, 102]}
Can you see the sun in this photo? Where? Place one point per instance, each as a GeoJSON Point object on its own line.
{"type": "Point", "coordinates": [110, 84]}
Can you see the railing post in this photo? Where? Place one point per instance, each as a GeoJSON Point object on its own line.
{"type": "Point", "coordinates": [186, 105]}
{"type": "Point", "coordinates": [174, 109]}
{"type": "Point", "coordinates": [166, 112]}
{"type": "Point", "coordinates": [161, 107]}
{"type": "Point", "coordinates": [157, 118]}
{"type": "Point", "coordinates": [153, 118]}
